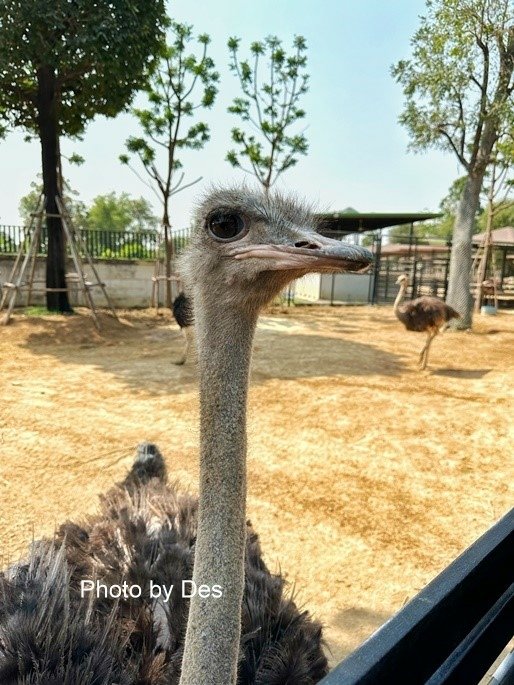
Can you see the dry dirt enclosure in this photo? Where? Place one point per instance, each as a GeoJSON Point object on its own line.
{"type": "Point", "coordinates": [366, 477]}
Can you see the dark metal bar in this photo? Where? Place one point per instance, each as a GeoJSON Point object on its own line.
{"type": "Point", "coordinates": [376, 268]}
{"type": "Point", "coordinates": [470, 661]}
{"type": "Point", "coordinates": [504, 264]}
{"type": "Point", "coordinates": [411, 234]}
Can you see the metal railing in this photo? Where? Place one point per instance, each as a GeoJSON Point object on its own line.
{"type": "Point", "coordinates": [102, 244]}
{"type": "Point", "coordinates": [11, 237]}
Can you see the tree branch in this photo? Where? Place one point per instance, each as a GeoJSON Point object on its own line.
{"type": "Point", "coordinates": [176, 189]}
{"type": "Point", "coordinates": [149, 185]}
{"type": "Point", "coordinates": [450, 140]}
{"type": "Point", "coordinates": [483, 101]}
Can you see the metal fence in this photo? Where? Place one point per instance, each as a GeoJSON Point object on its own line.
{"type": "Point", "coordinates": [102, 244]}
{"type": "Point", "coordinates": [11, 237]}
{"type": "Point", "coordinates": [427, 272]}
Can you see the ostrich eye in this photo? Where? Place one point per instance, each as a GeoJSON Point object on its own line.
{"type": "Point", "coordinates": [226, 225]}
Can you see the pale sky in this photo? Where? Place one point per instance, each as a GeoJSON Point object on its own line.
{"type": "Point", "coordinates": [357, 149]}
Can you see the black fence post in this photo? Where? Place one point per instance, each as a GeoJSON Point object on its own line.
{"type": "Point", "coordinates": [386, 284]}
{"type": "Point", "coordinates": [376, 267]}
{"type": "Point", "coordinates": [447, 268]}
{"type": "Point", "coordinates": [414, 284]}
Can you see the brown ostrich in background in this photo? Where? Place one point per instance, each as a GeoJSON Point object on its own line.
{"type": "Point", "coordinates": [425, 314]}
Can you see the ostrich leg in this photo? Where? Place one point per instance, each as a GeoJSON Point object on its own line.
{"type": "Point", "coordinates": [423, 357]}
{"type": "Point", "coordinates": [188, 337]}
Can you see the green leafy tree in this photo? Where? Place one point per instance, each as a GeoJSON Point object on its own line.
{"type": "Point", "coordinates": [120, 213]}
{"type": "Point", "coordinates": [440, 228]}
{"type": "Point", "coordinates": [458, 90]}
{"type": "Point", "coordinates": [443, 227]}
{"type": "Point", "coordinates": [176, 78]}
{"type": "Point", "coordinates": [61, 64]}
{"type": "Point", "coordinates": [499, 209]}
{"type": "Point", "coordinates": [269, 109]}
{"type": "Point", "coordinates": [424, 233]}
{"type": "Point", "coordinates": [502, 210]}
{"type": "Point", "coordinates": [499, 185]}
{"type": "Point", "coordinates": [108, 215]}
{"type": "Point", "coordinates": [502, 215]}
{"type": "Point", "coordinates": [121, 226]}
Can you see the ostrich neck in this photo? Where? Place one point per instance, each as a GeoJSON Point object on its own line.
{"type": "Point", "coordinates": [399, 298]}
{"type": "Point", "coordinates": [224, 339]}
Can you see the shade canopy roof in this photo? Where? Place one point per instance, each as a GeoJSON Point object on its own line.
{"type": "Point", "coordinates": [500, 236]}
{"type": "Point", "coordinates": [338, 224]}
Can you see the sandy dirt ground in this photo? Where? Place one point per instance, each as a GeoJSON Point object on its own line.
{"type": "Point", "coordinates": [366, 477]}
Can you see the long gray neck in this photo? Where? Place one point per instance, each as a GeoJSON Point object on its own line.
{"type": "Point", "coordinates": [224, 341]}
{"type": "Point", "coordinates": [399, 297]}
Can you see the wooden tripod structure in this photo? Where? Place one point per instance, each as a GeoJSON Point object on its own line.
{"type": "Point", "coordinates": [26, 259]}
{"type": "Point", "coordinates": [479, 266]}
{"type": "Point", "coordinates": [484, 289]}
{"type": "Point", "coordinates": [160, 272]}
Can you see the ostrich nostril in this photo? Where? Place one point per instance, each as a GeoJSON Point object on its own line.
{"type": "Point", "coordinates": [307, 245]}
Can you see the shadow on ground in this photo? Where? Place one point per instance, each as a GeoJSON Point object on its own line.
{"type": "Point", "coordinates": [461, 373]}
{"type": "Point", "coordinates": [141, 352]}
{"type": "Point", "coordinates": [356, 621]}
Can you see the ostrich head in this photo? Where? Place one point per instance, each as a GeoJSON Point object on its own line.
{"type": "Point", "coordinates": [247, 246]}
{"type": "Point", "coordinates": [402, 280]}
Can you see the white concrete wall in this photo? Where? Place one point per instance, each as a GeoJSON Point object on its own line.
{"type": "Point", "coordinates": [308, 288]}
{"type": "Point", "coordinates": [128, 282]}
{"type": "Point", "coordinates": [352, 288]}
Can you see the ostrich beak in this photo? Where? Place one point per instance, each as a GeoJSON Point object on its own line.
{"type": "Point", "coordinates": [309, 253]}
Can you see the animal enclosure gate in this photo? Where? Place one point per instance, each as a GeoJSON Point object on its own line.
{"type": "Point", "coordinates": [427, 272]}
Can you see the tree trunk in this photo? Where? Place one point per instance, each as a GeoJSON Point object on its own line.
{"type": "Point", "coordinates": [459, 296]}
{"type": "Point", "coordinates": [48, 135]}
{"type": "Point", "coordinates": [168, 253]}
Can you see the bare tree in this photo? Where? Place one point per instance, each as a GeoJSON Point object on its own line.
{"type": "Point", "coordinates": [269, 108]}
{"type": "Point", "coordinates": [170, 105]}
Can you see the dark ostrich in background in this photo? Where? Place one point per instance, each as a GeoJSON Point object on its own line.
{"type": "Point", "coordinates": [246, 247]}
{"type": "Point", "coordinates": [144, 532]}
{"type": "Point", "coordinates": [182, 310]}
{"type": "Point", "coordinates": [425, 314]}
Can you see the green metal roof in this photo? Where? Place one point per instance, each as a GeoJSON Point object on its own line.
{"type": "Point", "coordinates": [337, 224]}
